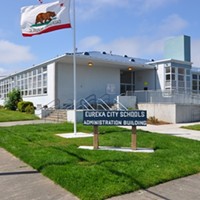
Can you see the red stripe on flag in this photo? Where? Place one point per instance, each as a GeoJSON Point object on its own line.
{"type": "Point", "coordinates": [49, 29]}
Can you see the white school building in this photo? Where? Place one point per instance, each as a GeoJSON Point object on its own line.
{"type": "Point", "coordinates": [169, 89]}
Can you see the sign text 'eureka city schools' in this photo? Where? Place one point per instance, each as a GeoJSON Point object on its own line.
{"type": "Point", "coordinates": [115, 118]}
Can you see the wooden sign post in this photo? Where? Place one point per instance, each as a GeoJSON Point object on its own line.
{"type": "Point", "coordinates": [115, 118]}
{"type": "Point", "coordinates": [134, 138]}
{"type": "Point", "coordinates": [96, 137]}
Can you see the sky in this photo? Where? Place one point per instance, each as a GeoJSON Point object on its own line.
{"type": "Point", "coordinates": [137, 28]}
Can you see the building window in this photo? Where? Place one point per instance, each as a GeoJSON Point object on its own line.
{"type": "Point", "coordinates": [195, 83]}
{"type": "Point", "coordinates": [31, 83]}
{"type": "Point", "coordinates": [45, 90]}
{"type": "Point", "coordinates": [44, 80]}
{"type": "Point", "coordinates": [170, 78]}
{"type": "Point", "coordinates": [44, 68]}
{"type": "Point", "coordinates": [181, 79]}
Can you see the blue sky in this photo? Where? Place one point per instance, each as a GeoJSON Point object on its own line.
{"type": "Point", "coordinates": [137, 28]}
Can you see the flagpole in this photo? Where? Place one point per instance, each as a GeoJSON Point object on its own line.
{"type": "Point", "coordinates": [74, 64]}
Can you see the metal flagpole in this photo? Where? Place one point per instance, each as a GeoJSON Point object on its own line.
{"type": "Point", "coordinates": [74, 64]}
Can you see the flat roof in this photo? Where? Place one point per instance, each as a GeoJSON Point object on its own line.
{"type": "Point", "coordinates": [98, 58]}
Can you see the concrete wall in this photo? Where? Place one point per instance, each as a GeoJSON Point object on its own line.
{"type": "Point", "coordinates": [147, 76]}
{"type": "Point", "coordinates": [187, 113]}
{"type": "Point", "coordinates": [127, 101]}
{"type": "Point", "coordinates": [160, 84]}
{"type": "Point", "coordinates": [64, 82]}
{"type": "Point", "coordinates": [89, 81]}
{"type": "Point", "coordinates": [164, 112]}
{"type": "Point", "coordinates": [172, 113]}
{"type": "Point", "coordinates": [70, 116]}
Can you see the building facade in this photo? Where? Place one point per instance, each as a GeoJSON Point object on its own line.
{"type": "Point", "coordinates": [102, 76]}
{"type": "Point", "coordinates": [109, 75]}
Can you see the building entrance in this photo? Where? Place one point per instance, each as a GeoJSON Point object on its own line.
{"type": "Point", "coordinates": [127, 81]}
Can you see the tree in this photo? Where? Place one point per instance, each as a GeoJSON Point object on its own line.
{"type": "Point", "coordinates": [14, 97]}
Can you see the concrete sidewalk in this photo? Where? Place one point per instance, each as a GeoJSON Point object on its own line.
{"type": "Point", "coordinates": [174, 129]}
{"type": "Point", "coordinates": [18, 181]}
{"type": "Point", "coordinates": [14, 123]}
{"type": "Point", "coordinates": [181, 189]}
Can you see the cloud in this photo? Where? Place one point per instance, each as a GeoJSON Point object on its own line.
{"type": "Point", "coordinates": [2, 71]}
{"type": "Point", "coordinates": [146, 6]}
{"type": "Point", "coordinates": [93, 9]}
{"type": "Point", "coordinates": [90, 42]}
{"type": "Point", "coordinates": [143, 47]}
{"type": "Point", "coordinates": [173, 24]}
{"type": "Point", "coordinates": [11, 53]}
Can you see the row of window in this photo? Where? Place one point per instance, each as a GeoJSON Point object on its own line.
{"type": "Point", "coordinates": [177, 78]}
{"type": "Point", "coordinates": [30, 83]}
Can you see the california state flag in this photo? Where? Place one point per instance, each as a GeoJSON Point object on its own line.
{"type": "Point", "coordinates": [43, 18]}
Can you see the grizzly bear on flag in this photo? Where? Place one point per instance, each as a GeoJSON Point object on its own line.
{"type": "Point", "coordinates": [45, 17]}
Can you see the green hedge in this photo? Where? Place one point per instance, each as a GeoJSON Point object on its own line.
{"type": "Point", "coordinates": [26, 106]}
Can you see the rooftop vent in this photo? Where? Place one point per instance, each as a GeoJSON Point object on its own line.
{"type": "Point", "coordinates": [86, 54]}
{"type": "Point", "coordinates": [132, 60]}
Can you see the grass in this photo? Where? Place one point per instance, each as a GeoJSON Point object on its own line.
{"type": "Point", "coordinates": [101, 174]}
{"type": "Point", "coordinates": [192, 127]}
{"type": "Point", "coordinates": [8, 115]}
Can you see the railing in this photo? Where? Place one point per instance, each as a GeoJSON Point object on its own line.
{"type": "Point", "coordinates": [68, 104]}
{"type": "Point", "coordinates": [120, 106]}
{"type": "Point", "coordinates": [102, 104]}
{"type": "Point", "coordinates": [87, 102]}
{"type": "Point", "coordinates": [171, 96]}
{"type": "Point", "coordinates": [84, 104]}
{"type": "Point", "coordinates": [54, 104]}
{"type": "Point", "coordinates": [91, 103]}
{"type": "Point", "coordinates": [49, 108]}
{"type": "Point", "coordinates": [105, 98]}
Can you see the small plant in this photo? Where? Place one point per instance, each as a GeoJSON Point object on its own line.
{"type": "Point", "coordinates": [30, 109]}
{"type": "Point", "coordinates": [22, 105]}
{"type": "Point", "coordinates": [14, 97]}
{"type": "Point", "coordinates": [131, 108]}
{"type": "Point", "coordinates": [153, 120]}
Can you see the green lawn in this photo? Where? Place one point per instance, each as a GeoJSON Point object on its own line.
{"type": "Point", "coordinates": [8, 115]}
{"type": "Point", "coordinates": [192, 127]}
{"type": "Point", "coordinates": [101, 174]}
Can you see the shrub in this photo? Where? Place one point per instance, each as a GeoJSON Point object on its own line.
{"type": "Point", "coordinates": [30, 109]}
{"type": "Point", "coordinates": [12, 100]}
{"type": "Point", "coordinates": [1, 107]}
{"type": "Point", "coordinates": [153, 120]}
{"type": "Point", "coordinates": [22, 105]}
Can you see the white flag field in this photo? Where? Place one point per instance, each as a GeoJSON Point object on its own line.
{"type": "Point", "coordinates": [43, 18]}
